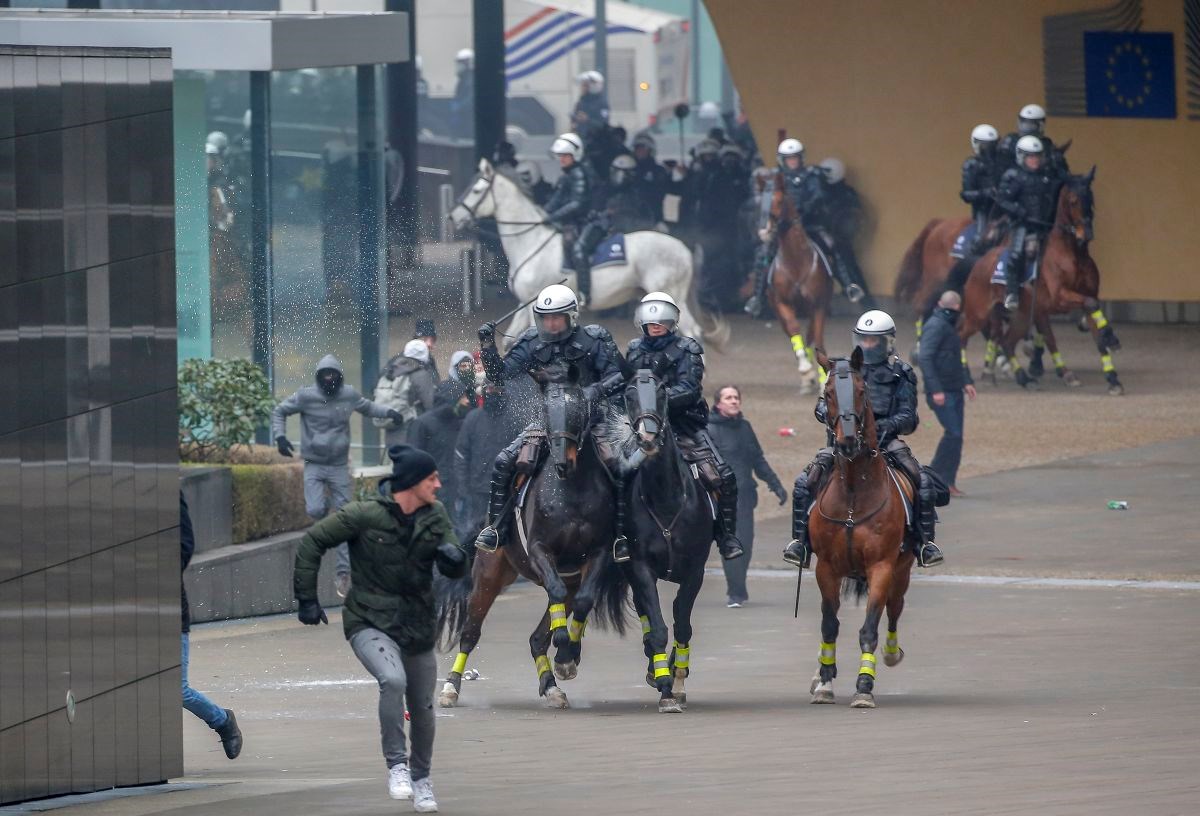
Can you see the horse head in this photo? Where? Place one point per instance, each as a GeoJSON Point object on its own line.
{"type": "Point", "coordinates": [646, 407]}
{"type": "Point", "coordinates": [1076, 207]}
{"type": "Point", "coordinates": [846, 403]}
{"type": "Point", "coordinates": [478, 200]}
{"type": "Point", "coordinates": [566, 413]}
{"type": "Point", "coordinates": [781, 213]}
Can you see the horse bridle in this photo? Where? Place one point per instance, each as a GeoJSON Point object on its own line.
{"type": "Point", "coordinates": [646, 387]}
{"type": "Point", "coordinates": [530, 226]}
{"type": "Point", "coordinates": [853, 422]}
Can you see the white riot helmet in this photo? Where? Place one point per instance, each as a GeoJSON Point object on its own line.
{"type": "Point", "coordinates": [1031, 120]}
{"type": "Point", "coordinates": [622, 169]}
{"type": "Point", "coordinates": [709, 110]}
{"type": "Point", "coordinates": [568, 144]}
{"type": "Point", "coordinates": [1029, 146]}
{"type": "Point", "coordinates": [465, 58]}
{"type": "Point", "coordinates": [528, 172]}
{"type": "Point", "coordinates": [983, 137]}
{"type": "Point", "coordinates": [556, 299]}
{"type": "Point", "coordinates": [875, 334]}
{"type": "Point", "coordinates": [647, 141]}
{"type": "Point", "coordinates": [789, 147]}
{"type": "Point", "coordinates": [835, 170]}
{"type": "Point", "coordinates": [218, 140]}
{"type": "Point", "coordinates": [656, 307]}
{"type": "Point", "coordinates": [593, 80]}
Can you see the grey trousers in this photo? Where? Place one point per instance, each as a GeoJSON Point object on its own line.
{"type": "Point", "coordinates": [336, 479]}
{"type": "Point", "coordinates": [402, 676]}
{"type": "Point", "coordinates": [735, 570]}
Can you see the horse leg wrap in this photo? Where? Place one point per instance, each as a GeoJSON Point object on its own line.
{"type": "Point", "coordinates": [1106, 361]}
{"type": "Point", "coordinates": [798, 347]}
{"type": "Point", "coordinates": [460, 663]}
{"type": "Point", "coordinates": [575, 630]}
{"type": "Point", "coordinates": [1039, 342]}
{"type": "Point", "coordinates": [558, 616]}
{"type": "Point", "coordinates": [1058, 359]}
{"type": "Point", "coordinates": [645, 619]}
{"type": "Point", "coordinates": [989, 354]}
{"type": "Point", "coordinates": [867, 664]}
{"type": "Point", "coordinates": [1099, 319]}
{"type": "Point", "coordinates": [828, 655]}
{"type": "Point", "coordinates": [661, 667]}
{"type": "Point", "coordinates": [682, 656]}
{"type": "Point", "coordinates": [892, 645]}
{"type": "Point", "coordinates": [542, 664]}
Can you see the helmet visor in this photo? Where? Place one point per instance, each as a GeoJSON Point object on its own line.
{"type": "Point", "coordinates": [554, 327]}
{"type": "Point", "coordinates": [875, 347]}
{"type": "Point", "coordinates": [658, 312]}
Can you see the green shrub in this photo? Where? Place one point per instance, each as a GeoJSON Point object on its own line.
{"type": "Point", "coordinates": [221, 404]}
{"type": "Point", "coordinates": [267, 500]}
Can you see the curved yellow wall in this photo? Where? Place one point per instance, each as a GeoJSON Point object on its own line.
{"type": "Point", "coordinates": [894, 89]}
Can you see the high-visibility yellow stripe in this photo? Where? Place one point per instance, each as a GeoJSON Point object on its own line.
{"type": "Point", "coordinates": [558, 616]}
{"type": "Point", "coordinates": [989, 353]}
{"type": "Point", "coordinates": [1058, 360]}
{"type": "Point", "coordinates": [867, 666]}
{"type": "Point", "coordinates": [1099, 318]}
{"type": "Point", "coordinates": [660, 666]}
{"type": "Point", "coordinates": [645, 619]}
{"type": "Point", "coordinates": [920, 328]}
{"type": "Point", "coordinates": [542, 663]}
{"type": "Point", "coordinates": [1106, 361]}
{"type": "Point", "coordinates": [962, 355]}
{"type": "Point", "coordinates": [683, 654]}
{"type": "Point", "coordinates": [1039, 342]}
{"type": "Point", "coordinates": [824, 375]}
{"type": "Point", "coordinates": [892, 646]}
{"type": "Point", "coordinates": [828, 656]}
{"type": "Point", "coordinates": [575, 630]}
{"type": "Point", "coordinates": [797, 344]}
{"type": "Point", "coordinates": [460, 663]}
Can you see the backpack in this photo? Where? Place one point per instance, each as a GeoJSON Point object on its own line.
{"type": "Point", "coordinates": [394, 393]}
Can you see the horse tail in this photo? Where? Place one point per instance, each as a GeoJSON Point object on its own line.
{"type": "Point", "coordinates": [908, 282]}
{"type": "Point", "coordinates": [612, 600]}
{"type": "Point", "coordinates": [717, 331]}
{"type": "Point", "coordinates": [451, 597]}
{"type": "Point", "coordinates": [856, 586]}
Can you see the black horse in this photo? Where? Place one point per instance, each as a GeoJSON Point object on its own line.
{"type": "Point", "coordinates": [672, 519]}
{"type": "Point", "coordinates": [563, 542]}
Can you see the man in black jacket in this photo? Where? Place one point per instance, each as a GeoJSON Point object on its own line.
{"type": "Point", "coordinates": [218, 719]}
{"type": "Point", "coordinates": [570, 205]}
{"type": "Point", "coordinates": [436, 432]}
{"type": "Point", "coordinates": [484, 433]}
{"type": "Point", "coordinates": [947, 380]}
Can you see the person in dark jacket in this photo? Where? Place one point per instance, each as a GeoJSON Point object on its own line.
{"type": "Point", "coordinates": [436, 431]}
{"type": "Point", "coordinates": [218, 719]}
{"type": "Point", "coordinates": [426, 332]}
{"type": "Point", "coordinates": [570, 207]}
{"type": "Point", "coordinates": [735, 439]}
{"type": "Point", "coordinates": [396, 539]}
{"type": "Point", "coordinates": [947, 381]}
{"type": "Point", "coordinates": [412, 366]}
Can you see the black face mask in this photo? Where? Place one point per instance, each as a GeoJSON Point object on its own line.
{"type": "Point", "coordinates": [329, 381]}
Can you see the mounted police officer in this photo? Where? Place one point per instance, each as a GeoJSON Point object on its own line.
{"type": "Point", "coordinates": [892, 389]}
{"type": "Point", "coordinates": [624, 209]}
{"type": "Point", "coordinates": [845, 212]}
{"type": "Point", "coordinates": [679, 362]}
{"type": "Point", "coordinates": [1031, 121]}
{"type": "Point", "coordinates": [981, 174]}
{"type": "Point", "coordinates": [556, 340]}
{"type": "Point", "coordinates": [1026, 194]}
{"type": "Point", "coordinates": [571, 204]}
{"type": "Point", "coordinates": [650, 179]}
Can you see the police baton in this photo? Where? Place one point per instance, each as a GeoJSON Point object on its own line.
{"type": "Point", "coordinates": [524, 305]}
{"type": "Point", "coordinates": [799, 578]}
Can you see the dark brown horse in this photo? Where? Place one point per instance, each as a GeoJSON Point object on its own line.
{"type": "Point", "coordinates": [857, 528]}
{"type": "Point", "coordinates": [800, 280]}
{"type": "Point", "coordinates": [562, 541]}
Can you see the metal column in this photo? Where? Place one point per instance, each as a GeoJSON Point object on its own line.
{"type": "Point", "coordinates": [262, 284]}
{"type": "Point", "coordinates": [370, 211]}
{"type": "Point", "coordinates": [490, 90]}
{"type": "Point", "coordinates": [601, 38]}
{"type": "Point", "coordinates": [403, 216]}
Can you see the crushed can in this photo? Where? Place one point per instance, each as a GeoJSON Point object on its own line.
{"type": "Point", "coordinates": [1118, 505]}
{"type": "Point", "coordinates": [787, 431]}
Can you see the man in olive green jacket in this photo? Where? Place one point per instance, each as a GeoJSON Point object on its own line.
{"type": "Point", "coordinates": [389, 617]}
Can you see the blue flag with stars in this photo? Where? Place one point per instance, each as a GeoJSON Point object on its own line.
{"type": "Point", "coordinates": [1130, 74]}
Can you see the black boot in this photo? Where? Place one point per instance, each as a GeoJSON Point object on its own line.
{"type": "Point", "coordinates": [928, 554]}
{"type": "Point", "coordinates": [957, 278]}
{"type": "Point", "coordinates": [758, 300]}
{"type": "Point", "coordinates": [493, 535]}
{"type": "Point", "coordinates": [799, 552]}
{"type": "Point", "coordinates": [583, 277]}
{"type": "Point", "coordinates": [727, 542]}
{"type": "Point", "coordinates": [621, 550]}
{"type": "Point", "coordinates": [231, 735]}
{"type": "Point", "coordinates": [841, 270]}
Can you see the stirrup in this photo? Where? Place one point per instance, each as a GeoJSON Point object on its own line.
{"type": "Point", "coordinates": [929, 555]}
{"type": "Point", "coordinates": [854, 293]}
{"type": "Point", "coordinates": [731, 548]}
{"type": "Point", "coordinates": [753, 306]}
{"type": "Point", "coordinates": [620, 549]}
{"type": "Point", "coordinates": [797, 554]}
{"type": "Point", "coordinates": [488, 539]}
{"type": "Point", "coordinates": [1011, 301]}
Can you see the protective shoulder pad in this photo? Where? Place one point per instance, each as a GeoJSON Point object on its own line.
{"type": "Point", "coordinates": [907, 372]}
{"type": "Point", "coordinates": [597, 332]}
{"type": "Point", "coordinates": [690, 344]}
{"type": "Point", "coordinates": [528, 334]}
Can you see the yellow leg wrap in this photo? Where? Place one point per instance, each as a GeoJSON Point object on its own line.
{"type": "Point", "coordinates": [989, 354]}
{"type": "Point", "coordinates": [682, 655]}
{"type": "Point", "coordinates": [575, 630]}
{"type": "Point", "coordinates": [920, 328]}
{"type": "Point", "coordinates": [1058, 360]}
{"type": "Point", "coordinates": [1099, 318]}
{"type": "Point", "coordinates": [460, 663]}
{"type": "Point", "coordinates": [542, 663]}
{"type": "Point", "coordinates": [824, 375]}
{"type": "Point", "coordinates": [645, 619]}
{"type": "Point", "coordinates": [798, 346]}
{"type": "Point", "coordinates": [558, 616]}
{"type": "Point", "coordinates": [867, 666]}
{"type": "Point", "coordinates": [963, 357]}
{"type": "Point", "coordinates": [660, 666]}
{"type": "Point", "coordinates": [1106, 361]}
{"type": "Point", "coordinates": [1039, 342]}
{"type": "Point", "coordinates": [892, 645]}
{"type": "Point", "coordinates": [828, 656]}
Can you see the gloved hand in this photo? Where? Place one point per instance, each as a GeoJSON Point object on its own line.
{"type": "Point", "coordinates": [487, 334]}
{"type": "Point", "coordinates": [310, 613]}
{"type": "Point", "coordinates": [765, 235]}
{"type": "Point", "coordinates": [780, 493]}
{"type": "Point", "coordinates": [285, 447]}
{"type": "Point", "coordinates": [396, 417]}
{"type": "Point", "coordinates": [450, 559]}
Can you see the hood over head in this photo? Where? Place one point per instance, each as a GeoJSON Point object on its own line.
{"type": "Point", "coordinates": [417, 350]}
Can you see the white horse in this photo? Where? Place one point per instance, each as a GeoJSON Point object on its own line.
{"type": "Point", "coordinates": [656, 262]}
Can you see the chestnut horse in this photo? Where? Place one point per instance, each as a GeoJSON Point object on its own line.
{"type": "Point", "coordinates": [857, 528]}
{"type": "Point", "coordinates": [800, 281]}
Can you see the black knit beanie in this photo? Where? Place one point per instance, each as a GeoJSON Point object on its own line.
{"type": "Point", "coordinates": [409, 466]}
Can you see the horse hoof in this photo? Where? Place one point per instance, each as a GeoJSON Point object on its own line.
{"type": "Point", "coordinates": [890, 659]}
{"type": "Point", "coordinates": [670, 705]}
{"type": "Point", "coordinates": [448, 697]}
{"type": "Point", "coordinates": [566, 671]}
{"type": "Point", "coordinates": [682, 698]}
{"type": "Point", "coordinates": [816, 681]}
{"type": "Point", "coordinates": [864, 699]}
{"type": "Point", "coordinates": [822, 697]}
{"type": "Point", "coordinates": [1070, 379]}
{"type": "Point", "coordinates": [557, 698]}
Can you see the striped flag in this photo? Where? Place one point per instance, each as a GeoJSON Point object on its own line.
{"type": "Point", "coordinates": [545, 36]}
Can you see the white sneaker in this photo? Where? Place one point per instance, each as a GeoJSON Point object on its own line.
{"type": "Point", "coordinates": [400, 784]}
{"type": "Point", "coordinates": [423, 801]}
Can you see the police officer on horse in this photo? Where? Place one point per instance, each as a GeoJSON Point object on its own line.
{"type": "Point", "coordinates": [1026, 194]}
{"type": "Point", "coordinates": [981, 173]}
{"type": "Point", "coordinates": [570, 206]}
{"type": "Point", "coordinates": [1031, 121]}
{"type": "Point", "coordinates": [678, 361]}
{"type": "Point", "coordinates": [891, 387]}
{"type": "Point", "coordinates": [557, 341]}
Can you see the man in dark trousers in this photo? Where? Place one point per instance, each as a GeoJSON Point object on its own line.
{"type": "Point", "coordinates": [218, 719]}
{"type": "Point", "coordinates": [396, 539]}
{"type": "Point", "coordinates": [483, 435]}
{"type": "Point", "coordinates": [947, 381]}
{"type": "Point", "coordinates": [436, 431]}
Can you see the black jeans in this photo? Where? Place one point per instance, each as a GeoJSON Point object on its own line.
{"type": "Point", "coordinates": [949, 449]}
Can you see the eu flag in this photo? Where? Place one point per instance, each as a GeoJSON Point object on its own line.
{"type": "Point", "coordinates": [1130, 74]}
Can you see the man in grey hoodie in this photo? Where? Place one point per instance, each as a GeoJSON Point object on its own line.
{"type": "Point", "coordinates": [324, 410]}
